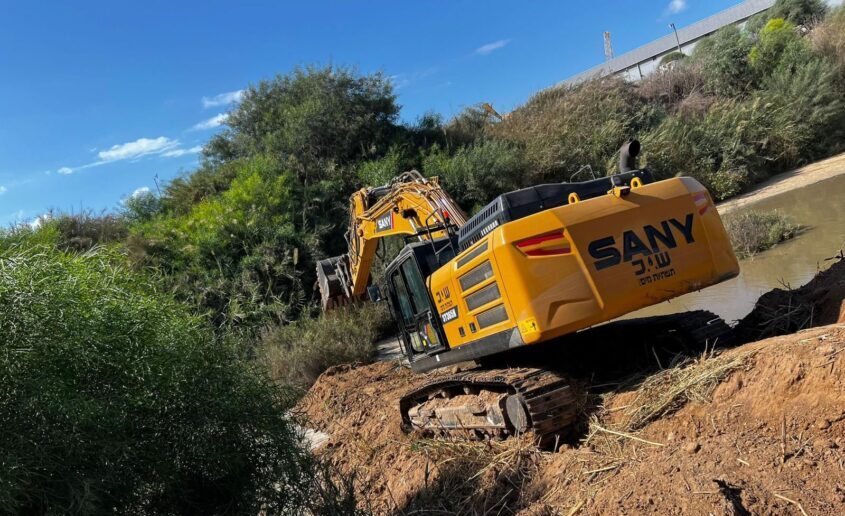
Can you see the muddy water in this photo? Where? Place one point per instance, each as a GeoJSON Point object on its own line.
{"type": "Point", "coordinates": [819, 207]}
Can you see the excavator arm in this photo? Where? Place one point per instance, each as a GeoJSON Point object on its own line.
{"type": "Point", "coordinates": [410, 205]}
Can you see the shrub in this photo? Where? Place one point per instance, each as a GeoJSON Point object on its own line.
{"type": "Point", "coordinates": [380, 171]}
{"type": "Point", "coordinates": [808, 106]}
{"type": "Point", "coordinates": [779, 46]}
{"type": "Point", "coordinates": [799, 12]}
{"type": "Point", "coordinates": [210, 179]}
{"type": "Point", "coordinates": [467, 127]}
{"type": "Point", "coordinates": [475, 174]}
{"type": "Point", "coordinates": [83, 231]}
{"type": "Point", "coordinates": [672, 57]}
{"type": "Point", "coordinates": [114, 399]}
{"type": "Point", "coordinates": [829, 39]}
{"type": "Point", "coordinates": [739, 142]}
{"type": "Point", "coordinates": [670, 86]}
{"type": "Point", "coordinates": [752, 232]}
{"type": "Point", "coordinates": [298, 353]}
{"type": "Point", "coordinates": [242, 256]}
{"type": "Point", "coordinates": [562, 129]}
{"type": "Point", "coordinates": [723, 61]}
{"type": "Point", "coordinates": [720, 148]}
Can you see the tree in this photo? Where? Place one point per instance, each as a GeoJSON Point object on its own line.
{"type": "Point", "coordinates": [240, 235]}
{"type": "Point", "coordinates": [799, 12]}
{"type": "Point", "coordinates": [141, 206]}
{"type": "Point", "coordinates": [310, 117]}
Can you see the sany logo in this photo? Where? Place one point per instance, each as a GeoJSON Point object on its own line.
{"type": "Point", "coordinates": [385, 222]}
{"type": "Point", "coordinates": [606, 254]}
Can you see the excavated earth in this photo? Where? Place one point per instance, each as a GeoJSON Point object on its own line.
{"type": "Point", "coordinates": [758, 428]}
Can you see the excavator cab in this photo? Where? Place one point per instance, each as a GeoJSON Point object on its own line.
{"type": "Point", "coordinates": [420, 327]}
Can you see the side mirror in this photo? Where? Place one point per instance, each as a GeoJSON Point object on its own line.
{"type": "Point", "coordinates": [374, 293]}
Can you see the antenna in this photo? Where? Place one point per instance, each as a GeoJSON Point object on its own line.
{"type": "Point", "coordinates": [608, 47]}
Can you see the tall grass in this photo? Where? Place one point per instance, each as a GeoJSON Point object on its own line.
{"type": "Point", "coordinates": [298, 353]}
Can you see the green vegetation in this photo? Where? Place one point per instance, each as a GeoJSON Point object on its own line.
{"type": "Point", "coordinates": [131, 342]}
{"type": "Point", "coordinates": [238, 239]}
{"type": "Point", "coordinates": [752, 232]}
{"type": "Point", "coordinates": [298, 353]}
{"type": "Point", "coordinates": [114, 397]}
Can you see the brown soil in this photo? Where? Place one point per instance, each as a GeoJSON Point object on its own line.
{"type": "Point", "coordinates": [784, 311]}
{"type": "Point", "coordinates": [757, 429]}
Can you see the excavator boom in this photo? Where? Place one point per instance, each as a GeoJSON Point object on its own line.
{"type": "Point", "coordinates": [411, 205]}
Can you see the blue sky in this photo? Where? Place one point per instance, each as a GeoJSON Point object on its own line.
{"type": "Point", "coordinates": [97, 98]}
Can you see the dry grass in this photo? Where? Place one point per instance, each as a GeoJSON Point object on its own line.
{"type": "Point", "coordinates": [661, 395]}
{"type": "Point", "coordinates": [474, 478]}
{"type": "Point", "coordinates": [789, 317]}
{"type": "Point", "coordinates": [669, 390]}
{"type": "Point", "coordinates": [779, 312]}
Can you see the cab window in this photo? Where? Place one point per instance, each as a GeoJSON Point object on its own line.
{"type": "Point", "coordinates": [416, 287]}
{"type": "Point", "coordinates": [402, 296]}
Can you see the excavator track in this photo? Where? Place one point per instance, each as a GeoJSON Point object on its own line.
{"type": "Point", "coordinates": [491, 402]}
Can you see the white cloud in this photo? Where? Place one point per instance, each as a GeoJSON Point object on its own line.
{"type": "Point", "coordinates": [138, 148]}
{"type": "Point", "coordinates": [161, 146]}
{"type": "Point", "coordinates": [175, 153]}
{"type": "Point", "coordinates": [3, 189]}
{"type": "Point", "coordinates": [402, 80]}
{"type": "Point", "coordinates": [399, 80]}
{"type": "Point", "coordinates": [211, 123]}
{"type": "Point", "coordinates": [41, 219]}
{"type": "Point", "coordinates": [224, 99]}
{"type": "Point", "coordinates": [491, 47]}
{"type": "Point", "coordinates": [140, 191]}
{"type": "Point", "coordinates": [676, 6]}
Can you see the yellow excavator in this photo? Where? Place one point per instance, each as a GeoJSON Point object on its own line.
{"type": "Point", "coordinates": [530, 267]}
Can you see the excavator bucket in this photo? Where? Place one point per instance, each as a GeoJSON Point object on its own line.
{"type": "Point", "coordinates": [330, 283]}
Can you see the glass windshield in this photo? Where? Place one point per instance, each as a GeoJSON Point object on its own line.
{"type": "Point", "coordinates": [416, 287]}
{"type": "Point", "coordinates": [402, 296]}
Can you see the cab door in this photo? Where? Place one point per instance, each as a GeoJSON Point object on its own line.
{"type": "Point", "coordinates": [419, 327]}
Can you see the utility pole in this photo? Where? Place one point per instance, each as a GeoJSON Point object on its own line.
{"type": "Point", "coordinates": [677, 39]}
{"type": "Point", "coordinates": [608, 48]}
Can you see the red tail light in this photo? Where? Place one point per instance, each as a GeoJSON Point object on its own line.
{"type": "Point", "coordinates": [702, 202]}
{"type": "Point", "coordinates": [547, 244]}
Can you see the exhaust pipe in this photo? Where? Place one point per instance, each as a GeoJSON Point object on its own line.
{"type": "Point", "coordinates": [628, 155]}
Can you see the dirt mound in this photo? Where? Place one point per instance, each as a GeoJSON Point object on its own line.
{"type": "Point", "coordinates": [785, 311]}
{"type": "Point", "coordinates": [759, 428]}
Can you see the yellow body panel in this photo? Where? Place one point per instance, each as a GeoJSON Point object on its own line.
{"type": "Point", "coordinates": [585, 263]}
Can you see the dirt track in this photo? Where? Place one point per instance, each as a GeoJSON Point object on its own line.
{"type": "Point", "coordinates": [767, 436]}
{"type": "Point", "coordinates": [810, 174]}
